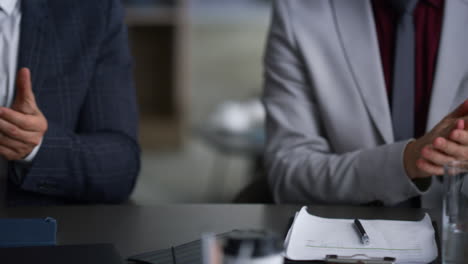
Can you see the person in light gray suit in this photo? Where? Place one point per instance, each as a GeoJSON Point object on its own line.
{"type": "Point", "coordinates": [330, 123]}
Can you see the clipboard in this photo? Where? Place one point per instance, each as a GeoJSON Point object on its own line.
{"type": "Point", "coordinates": [390, 238]}
{"type": "Point", "coordinates": [359, 259]}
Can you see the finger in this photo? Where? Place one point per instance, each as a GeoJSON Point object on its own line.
{"type": "Point", "coordinates": [461, 124]}
{"type": "Point", "coordinates": [15, 132]}
{"type": "Point", "coordinates": [451, 148]}
{"type": "Point", "coordinates": [9, 154]}
{"type": "Point", "coordinates": [429, 168]}
{"type": "Point", "coordinates": [25, 101]}
{"type": "Point", "coordinates": [17, 146]}
{"type": "Point", "coordinates": [460, 111]}
{"type": "Point", "coordinates": [460, 136]}
{"type": "Point", "coordinates": [435, 157]}
{"type": "Point", "coordinates": [23, 121]}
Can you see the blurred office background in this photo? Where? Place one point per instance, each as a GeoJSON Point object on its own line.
{"type": "Point", "coordinates": [198, 71]}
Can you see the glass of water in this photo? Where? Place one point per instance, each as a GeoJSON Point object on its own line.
{"type": "Point", "coordinates": [455, 213]}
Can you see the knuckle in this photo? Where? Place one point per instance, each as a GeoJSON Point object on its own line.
{"type": "Point", "coordinates": [13, 131]}
{"type": "Point", "coordinates": [429, 156]}
{"type": "Point", "coordinates": [428, 153]}
{"type": "Point", "coordinates": [36, 141]}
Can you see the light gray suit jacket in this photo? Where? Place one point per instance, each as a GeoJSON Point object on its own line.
{"type": "Point", "coordinates": [329, 127]}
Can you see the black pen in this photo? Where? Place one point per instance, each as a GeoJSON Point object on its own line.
{"type": "Point", "coordinates": [362, 233]}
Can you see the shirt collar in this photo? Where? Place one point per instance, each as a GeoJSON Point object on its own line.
{"type": "Point", "coordinates": [8, 6]}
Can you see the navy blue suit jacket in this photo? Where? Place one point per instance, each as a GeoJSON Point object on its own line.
{"type": "Point", "coordinates": [80, 63]}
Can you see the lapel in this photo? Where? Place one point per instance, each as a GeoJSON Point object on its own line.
{"type": "Point", "coordinates": [32, 38]}
{"type": "Point", "coordinates": [356, 27]}
{"type": "Point", "coordinates": [452, 60]}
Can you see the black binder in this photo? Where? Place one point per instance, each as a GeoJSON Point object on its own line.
{"type": "Point", "coordinates": [190, 252]}
{"type": "Point", "coordinates": [187, 253]}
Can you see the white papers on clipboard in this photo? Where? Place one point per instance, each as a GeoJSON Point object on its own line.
{"type": "Point", "coordinates": [313, 238]}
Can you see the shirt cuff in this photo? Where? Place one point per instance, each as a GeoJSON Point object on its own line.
{"type": "Point", "coordinates": [29, 158]}
{"type": "Point", "coordinates": [20, 166]}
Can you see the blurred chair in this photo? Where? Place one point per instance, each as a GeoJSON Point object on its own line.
{"type": "Point", "coordinates": [237, 128]}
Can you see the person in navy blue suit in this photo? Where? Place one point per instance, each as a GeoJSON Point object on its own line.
{"type": "Point", "coordinates": [74, 106]}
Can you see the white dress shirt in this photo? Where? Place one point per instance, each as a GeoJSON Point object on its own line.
{"type": "Point", "coordinates": [10, 18]}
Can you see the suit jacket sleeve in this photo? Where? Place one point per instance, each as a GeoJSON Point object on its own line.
{"type": "Point", "coordinates": [301, 164]}
{"type": "Point", "coordinates": [99, 160]}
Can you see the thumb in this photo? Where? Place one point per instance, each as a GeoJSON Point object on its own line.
{"type": "Point", "coordinates": [460, 111]}
{"type": "Point", "coordinates": [25, 101]}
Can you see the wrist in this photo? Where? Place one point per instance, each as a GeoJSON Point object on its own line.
{"type": "Point", "coordinates": [410, 157]}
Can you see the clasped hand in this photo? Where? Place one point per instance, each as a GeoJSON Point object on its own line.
{"type": "Point", "coordinates": [447, 141]}
{"type": "Point", "coordinates": [22, 126]}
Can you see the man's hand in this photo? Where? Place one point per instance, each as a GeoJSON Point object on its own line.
{"type": "Point", "coordinates": [444, 150]}
{"type": "Point", "coordinates": [446, 142]}
{"type": "Point", "coordinates": [23, 126]}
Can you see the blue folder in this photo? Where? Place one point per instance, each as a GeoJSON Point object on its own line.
{"type": "Point", "coordinates": [68, 254]}
{"type": "Point", "coordinates": [27, 232]}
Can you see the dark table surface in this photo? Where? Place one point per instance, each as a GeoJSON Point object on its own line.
{"type": "Point", "coordinates": [138, 229]}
